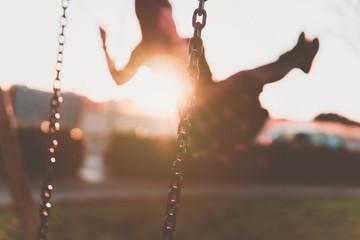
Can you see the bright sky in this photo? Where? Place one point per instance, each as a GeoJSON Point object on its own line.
{"type": "Point", "coordinates": [239, 34]}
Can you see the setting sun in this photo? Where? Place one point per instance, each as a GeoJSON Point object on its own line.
{"type": "Point", "coordinates": [154, 88]}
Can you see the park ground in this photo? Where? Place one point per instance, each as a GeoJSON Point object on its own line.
{"type": "Point", "coordinates": [134, 209]}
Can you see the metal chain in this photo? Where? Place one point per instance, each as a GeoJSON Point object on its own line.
{"type": "Point", "coordinates": [54, 126]}
{"type": "Point", "coordinates": [182, 150]}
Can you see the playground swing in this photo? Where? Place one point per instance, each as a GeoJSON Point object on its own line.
{"type": "Point", "coordinates": [182, 153]}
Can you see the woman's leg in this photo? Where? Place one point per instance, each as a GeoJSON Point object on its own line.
{"type": "Point", "coordinates": [229, 112]}
{"type": "Point", "coordinates": [301, 56]}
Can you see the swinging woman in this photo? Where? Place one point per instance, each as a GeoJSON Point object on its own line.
{"type": "Point", "coordinates": [228, 112]}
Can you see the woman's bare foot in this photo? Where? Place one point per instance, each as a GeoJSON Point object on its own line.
{"type": "Point", "coordinates": [302, 55]}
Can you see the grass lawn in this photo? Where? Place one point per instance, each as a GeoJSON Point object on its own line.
{"type": "Point", "coordinates": [211, 219]}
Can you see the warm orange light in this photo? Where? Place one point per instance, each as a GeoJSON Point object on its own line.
{"type": "Point", "coordinates": [156, 92]}
{"type": "Point", "coordinates": [76, 134]}
{"type": "Point", "coordinates": [45, 126]}
{"type": "Point", "coordinates": [155, 87]}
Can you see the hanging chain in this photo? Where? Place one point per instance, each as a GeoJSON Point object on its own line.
{"type": "Point", "coordinates": [182, 152]}
{"type": "Point", "coordinates": [54, 126]}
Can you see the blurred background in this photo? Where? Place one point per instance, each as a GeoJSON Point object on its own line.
{"type": "Point", "coordinates": [117, 143]}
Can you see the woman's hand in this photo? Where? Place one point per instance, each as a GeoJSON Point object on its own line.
{"type": "Point", "coordinates": [103, 37]}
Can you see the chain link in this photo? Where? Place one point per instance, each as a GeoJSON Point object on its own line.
{"type": "Point", "coordinates": [186, 105]}
{"type": "Point", "coordinates": [54, 126]}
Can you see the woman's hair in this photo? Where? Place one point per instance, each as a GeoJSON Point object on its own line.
{"type": "Point", "coordinates": [146, 10]}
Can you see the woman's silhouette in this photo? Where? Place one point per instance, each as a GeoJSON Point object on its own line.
{"type": "Point", "coordinates": [228, 112]}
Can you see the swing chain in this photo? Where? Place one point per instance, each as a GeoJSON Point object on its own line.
{"type": "Point", "coordinates": [54, 127]}
{"type": "Point", "coordinates": [182, 141]}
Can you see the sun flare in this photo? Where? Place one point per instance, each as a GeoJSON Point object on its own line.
{"type": "Point", "coordinates": [154, 89]}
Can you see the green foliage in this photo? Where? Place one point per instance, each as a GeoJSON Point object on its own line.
{"type": "Point", "coordinates": [310, 164]}
{"type": "Point", "coordinates": [130, 156]}
{"type": "Point", "coordinates": [126, 154]}
{"type": "Point", "coordinates": [33, 143]}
